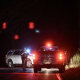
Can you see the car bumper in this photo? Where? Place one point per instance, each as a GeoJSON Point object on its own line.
{"type": "Point", "coordinates": [48, 65]}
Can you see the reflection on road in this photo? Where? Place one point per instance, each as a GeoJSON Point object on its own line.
{"type": "Point", "coordinates": [18, 74]}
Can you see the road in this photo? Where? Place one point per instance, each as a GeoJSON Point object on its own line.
{"type": "Point", "coordinates": [18, 74]}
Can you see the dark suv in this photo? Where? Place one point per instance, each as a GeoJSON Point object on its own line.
{"type": "Point", "coordinates": [49, 57]}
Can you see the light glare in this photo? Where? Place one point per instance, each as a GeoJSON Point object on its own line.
{"type": "Point", "coordinates": [28, 51]}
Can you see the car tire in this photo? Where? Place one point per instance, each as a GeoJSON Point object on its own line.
{"type": "Point", "coordinates": [10, 64]}
{"type": "Point", "coordinates": [37, 69]}
{"type": "Point", "coordinates": [62, 69]}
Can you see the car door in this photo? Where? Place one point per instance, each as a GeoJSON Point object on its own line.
{"type": "Point", "coordinates": [17, 57]}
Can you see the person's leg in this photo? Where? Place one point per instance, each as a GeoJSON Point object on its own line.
{"type": "Point", "coordinates": [24, 65]}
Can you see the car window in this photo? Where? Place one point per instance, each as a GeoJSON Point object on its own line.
{"type": "Point", "coordinates": [18, 52]}
{"type": "Point", "coordinates": [53, 48]}
{"type": "Point", "coordinates": [10, 52]}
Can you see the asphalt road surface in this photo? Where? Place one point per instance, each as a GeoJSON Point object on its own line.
{"type": "Point", "coordinates": [18, 74]}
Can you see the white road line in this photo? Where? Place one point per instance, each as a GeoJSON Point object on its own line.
{"type": "Point", "coordinates": [58, 76]}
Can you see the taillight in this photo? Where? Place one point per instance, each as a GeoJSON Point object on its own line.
{"type": "Point", "coordinates": [60, 56]}
{"type": "Point", "coordinates": [35, 57]}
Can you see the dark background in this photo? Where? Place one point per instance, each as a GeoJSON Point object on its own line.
{"type": "Point", "coordinates": [57, 20]}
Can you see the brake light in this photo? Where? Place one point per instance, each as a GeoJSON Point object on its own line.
{"type": "Point", "coordinates": [60, 56]}
{"type": "Point", "coordinates": [48, 44]}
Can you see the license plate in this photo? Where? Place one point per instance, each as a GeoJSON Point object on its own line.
{"type": "Point", "coordinates": [47, 62]}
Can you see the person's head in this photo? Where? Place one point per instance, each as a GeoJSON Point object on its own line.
{"type": "Point", "coordinates": [24, 49]}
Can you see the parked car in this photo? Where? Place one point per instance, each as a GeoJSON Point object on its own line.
{"type": "Point", "coordinates": [13, 58]}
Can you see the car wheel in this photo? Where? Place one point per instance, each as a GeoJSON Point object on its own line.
{"type": "Point", "coordinates": [36, 69]}
{"type": "Point", "coordinates": [10, 64]}
{"type": "Point", "coordinates": [62, 69]}
{"type": "Point", "coordinates": [29, 63]}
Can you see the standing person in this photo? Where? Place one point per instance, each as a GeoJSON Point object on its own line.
{"type": "Point", "coordinates": [24, 56]}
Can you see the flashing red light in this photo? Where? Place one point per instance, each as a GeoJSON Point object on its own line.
{"type": "Point", "coordinates": [4, 25]}
{"type": "Point", "coordinates": [31, 25]}
{"type": "Point", "coordinates": [48, 44]}
{"type": "Point", "coordinates": [61, 56]}
{"type": "Point", "coordinates": [16, 37]}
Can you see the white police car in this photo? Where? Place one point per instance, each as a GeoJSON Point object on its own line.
{"type": "Point", "coordinates": [13, 58]}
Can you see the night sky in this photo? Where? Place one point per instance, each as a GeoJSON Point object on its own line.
{"type": "Point", "coordinates": [56, 20]}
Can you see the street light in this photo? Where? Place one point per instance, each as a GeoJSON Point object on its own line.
{"type": "Point", "coordinates": [4, 25]}
{"type": "Point", "coordinates": [31, 25]}
{"type": "Point", "coordinates": [16, 37]}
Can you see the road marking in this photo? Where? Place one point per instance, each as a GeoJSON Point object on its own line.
{"type": "Point", "coordinates": [17, 73]}
{"type": "Point", "coordinates": [58, 76]}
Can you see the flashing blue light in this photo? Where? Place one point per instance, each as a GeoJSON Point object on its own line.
{"type": "Point", "coordinates": [28, 50]}
{"type": "Point", "coordinates": [37, 31]}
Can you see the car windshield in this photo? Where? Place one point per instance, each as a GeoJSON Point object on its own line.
{"type": "Point", "coordinates": [10, 52]}
{"type": "Point", "coordinates": [53, 48]}
{"type": "Point", "coordinates": [18, 52]}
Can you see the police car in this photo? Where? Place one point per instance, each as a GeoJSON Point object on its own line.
{"type": "Point", "coordinates": [13, 58]}
{"type": "Point", "coordinates": [49, 57]}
